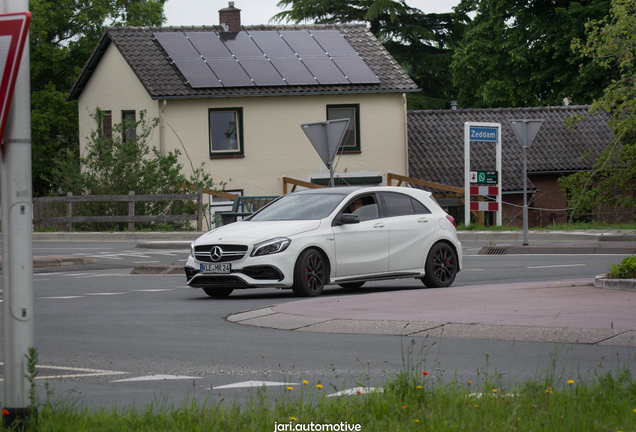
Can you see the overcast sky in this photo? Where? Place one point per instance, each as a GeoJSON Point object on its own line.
{"type": "Point", "coordinates": [253, 12]}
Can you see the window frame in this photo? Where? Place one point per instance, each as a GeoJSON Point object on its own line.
{"type": "Point", "coordinates": [132, 132]}
{"type": "Point", "coordinates": [356, 126]}
{"type": "Point", "coordinates": [240, 152]}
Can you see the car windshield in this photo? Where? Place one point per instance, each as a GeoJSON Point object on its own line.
{"type": "Point", "coordinates": [299, 207]}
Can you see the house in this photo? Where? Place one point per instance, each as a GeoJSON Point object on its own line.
{"type": "Point", "coordinates": [436, 154]}
{"type": "Point", "coordinates": [235, 96]}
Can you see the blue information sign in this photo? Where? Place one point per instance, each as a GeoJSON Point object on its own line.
{"type": "Point", "coordinates": [483, 134]}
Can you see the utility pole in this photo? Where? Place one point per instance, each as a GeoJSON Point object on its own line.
{"type": "Point", "coordinates": [17, 238]}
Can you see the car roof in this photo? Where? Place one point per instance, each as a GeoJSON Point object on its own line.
{"type": "Point", "coordinates": [347, 190]}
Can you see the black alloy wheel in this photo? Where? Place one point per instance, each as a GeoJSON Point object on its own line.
{"type": "Point", "coordinates": [310, 274]}
{"type": "Point", "coordinates": [441, 266]}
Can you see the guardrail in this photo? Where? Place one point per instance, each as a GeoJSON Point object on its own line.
{"type": "Point", "coordinates": [131, 218]}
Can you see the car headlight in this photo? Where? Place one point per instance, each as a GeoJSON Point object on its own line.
{"type": "Point", "coordinates": [272, 246]}
{"type": "Point", "coordinates": [192, 250]}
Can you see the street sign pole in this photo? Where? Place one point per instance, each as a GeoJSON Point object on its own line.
{"type": "Point", "coordinates": [17, 237]}
{"type": "Point", "coordinates": [525, 130]}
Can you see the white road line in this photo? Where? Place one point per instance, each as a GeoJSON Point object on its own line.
{"type": "Point", "coordinates": [249, 384]}
{"type": "Point", "coordinates": [357, 391]}
{"type": "Point", "coordinates": [104, 294]}
{"type": "Point", "coordinates": [88, 372]}
{"type": "Point", "coordinates": [555, 266]}
{"type": "Point", "coordinates": [145, 262]}
{"type": "Point", "coordinates": [40, 280]}
{"type": "Point", "coordinates": [62, 297]}
{"type": "Point", "coordinates": [97, 275]}
{"type": "Point", "coordinates": [154, 290]}
{"type": "Point", "coordinates": [155, 378]}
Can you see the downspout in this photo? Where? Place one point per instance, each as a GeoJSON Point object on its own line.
{"type": "Point", "coordinates": [406, 136]}
{"type": "Point", "coordinates": [162, 136]}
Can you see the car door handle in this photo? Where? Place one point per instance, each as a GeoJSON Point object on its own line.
{"type": "Point", "coordinates": [379, 225]}
{"type": "Point", "coordinates": [422, 220]}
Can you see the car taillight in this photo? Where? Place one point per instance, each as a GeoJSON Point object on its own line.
{"type": "Point", "coordinates": [452, 220]}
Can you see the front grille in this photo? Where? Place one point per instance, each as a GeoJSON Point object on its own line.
{"type": "Point", "coordinates": [228, 253]}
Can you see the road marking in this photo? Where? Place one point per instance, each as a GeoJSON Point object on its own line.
{"type": "Point", "coordinates": [85, 372]}
{"type": "Point", "coordinates": [145, 262]}
{"type": "Point", "coordinates": [104, 294]}
{"type": "Point", "coordinates": [555, 266]}
{"type": "Point", "coordinates": [97, 275]}
{"type": "Point", "coordinates": [357, 391]}
{"type": "Point", "coordinates": [40, 280]}
{"type": "Point", "coordinates": [249, 384]}
{"type": "Point", "coordinates": [63, 297]}
{"type": "Point", "coordinates": [155, 378]}
{"type": "Point", "coordinates": [154, 290]}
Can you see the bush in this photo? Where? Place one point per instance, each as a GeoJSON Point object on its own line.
{"type": "Point", "coordinates": [625, 270]}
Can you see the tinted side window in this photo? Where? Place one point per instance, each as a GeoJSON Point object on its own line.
{"type": "Point", "coordinates": [398, 204]}
{"type": "Point", "coordinates": [419, 207]}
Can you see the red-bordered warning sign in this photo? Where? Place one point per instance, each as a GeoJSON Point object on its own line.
{"type": "Point", "coordinates": [14, 28]}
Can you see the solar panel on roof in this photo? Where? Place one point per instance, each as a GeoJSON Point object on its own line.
{"type": "Point", "coordinates": [240, 44]}
{"type": "Point", "coordinates": [230, 72]}
{"type": "Point", "coordinates": [356, 70]}
{"type": "Point", "coordinates": [325, 70]}
{"type": "Point", "coordinates": [261, 71]}
{"type": "Point", "coordinates": [271, 43]}
{"type": "Point", "coordinates": [197, 73]}
{"type": "Point", "coordinates": [209, 45]}
{"type": "Point", "coordinates": [293, 70]}
{"type": "Point", "coordinates": [302, 43]}
{"type": "Point", "coordinates": [176, 45]}
{"type": "Point", "coordinates": [333, 43]}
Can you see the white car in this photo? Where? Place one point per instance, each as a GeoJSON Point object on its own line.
{"type": "Point", "coordinates": [346, 236]}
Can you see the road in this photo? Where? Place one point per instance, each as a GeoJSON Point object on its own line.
{"type": "Point", "coordinates": [121, 339]}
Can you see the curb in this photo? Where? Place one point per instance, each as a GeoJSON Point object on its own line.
{"type": "Point", "coordinates": [601, 281]}
{"type": "Point", "coordinates": [159, 270]}
{"type": "Point", "coordinates": [55, 261]}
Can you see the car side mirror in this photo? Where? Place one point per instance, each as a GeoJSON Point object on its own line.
{"type": "Point", "coordinates": [346, 219]}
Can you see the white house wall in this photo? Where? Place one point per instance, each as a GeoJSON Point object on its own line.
{"type": "Point", "coordinates": [113, 87]}
{"type": "Point", "coordinates": [274, 143]}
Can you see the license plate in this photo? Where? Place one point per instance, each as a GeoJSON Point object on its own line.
{"type": "Point", "coordinates": [216, 268]}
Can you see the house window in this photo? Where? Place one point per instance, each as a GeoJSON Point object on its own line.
{"type": "Point", "coordinates": [106, 125]}
{"type": "Point", "coordinates": [129, 119]}
{"type": "Point", "coordinates": [351, 140]}
{"type": "Point", "coordinates": [226, 131]}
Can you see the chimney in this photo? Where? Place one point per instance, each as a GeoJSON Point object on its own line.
{"type": "Point", "coordinates": [230, 18]}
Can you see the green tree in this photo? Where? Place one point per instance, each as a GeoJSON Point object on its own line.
{"type": "Point", "coordinates": [118, 164]}
{"type": "Point", "coordinates": [63, 35]}
{"type": "Point", "coordinates": [421, 43]}
{"type": "Point", "coordinates": [518, 54]}
{"type": "Point", "coordinates": [611, 44]}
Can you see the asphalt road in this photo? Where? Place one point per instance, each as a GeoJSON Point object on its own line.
{"type": "Point", "coordinates": [107, 338]}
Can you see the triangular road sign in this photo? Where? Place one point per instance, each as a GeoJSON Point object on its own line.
{"type": "Point", "coordinates": [326, 137]}
{"type": "Point", "coordinates": [14, 28]}
{"type": "Point", "coordinates": [526, 130]}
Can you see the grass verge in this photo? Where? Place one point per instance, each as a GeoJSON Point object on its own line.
{"type": "Point", "coordinates": [411, 401]}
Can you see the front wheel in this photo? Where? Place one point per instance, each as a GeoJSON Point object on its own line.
{"type": "Point", "coordinates": [218, 292]}
{"type": "Point", "coordinates": [441, 266]}
{"type": "Point", "coordinates": [310, 274]}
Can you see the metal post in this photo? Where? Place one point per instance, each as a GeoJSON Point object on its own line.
{"type": "Point", "coordinates": [17, 238]}
{"type": "Point", "coordinates": [525, 186]}
{"type": "Point", "coordinates": [200, 210]}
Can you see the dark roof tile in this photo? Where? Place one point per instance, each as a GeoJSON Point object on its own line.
{"type": "Point", "coordinates": [436, 143]}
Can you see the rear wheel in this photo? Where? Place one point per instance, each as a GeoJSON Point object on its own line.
{"type": "Point", "coordinates": [441, 266]}
{"type": "Point", "coordinates": [218, 292]}
{"type": "Point", "coordinates": [352, 284]}
{"type": "Point", "coordinates": [310, 274]}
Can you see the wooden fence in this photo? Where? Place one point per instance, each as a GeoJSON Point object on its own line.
{"type": "Point", "coordinates": [131, 218]}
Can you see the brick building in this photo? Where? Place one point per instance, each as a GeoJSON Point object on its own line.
{"type": "Point", "coordinates": [436, 154]}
